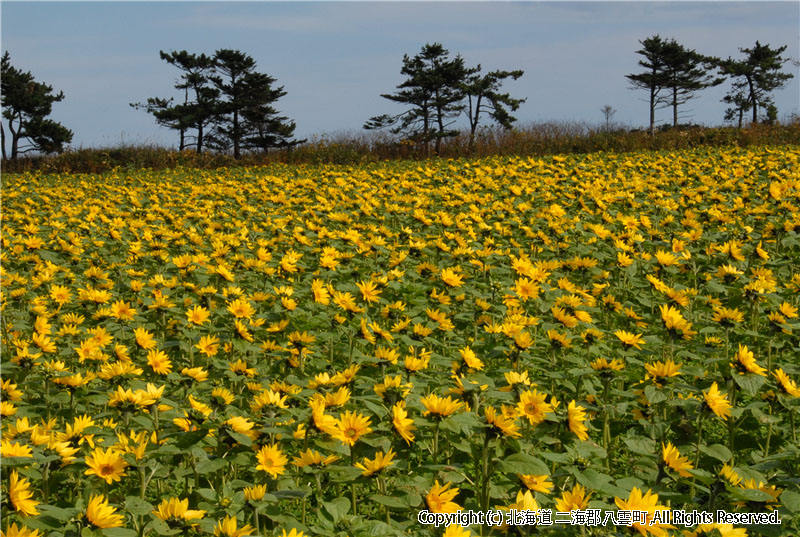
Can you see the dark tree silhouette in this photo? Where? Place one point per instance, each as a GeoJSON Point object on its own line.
{"type": "Point", "coordinates": [26, 105]}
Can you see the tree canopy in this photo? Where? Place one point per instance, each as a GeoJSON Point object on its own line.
{"type": "Point", "coordinates": [231, 106]}
{"type": "Point", "coordinates": [754, 78]}
{"type": "Point", "coordinates": [436, 89]}
{"type": "Point", "coordinates": [26, 106]}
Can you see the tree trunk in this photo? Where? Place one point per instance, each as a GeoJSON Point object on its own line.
{"type": "Point", "coordinates": [440, 122]}
{"type": "Point", "coordinates": [236, 154]}
{"type": "Point", "coordinates": [652, 109]}
{"type": "Point", "coordinates": [3, 139]}
{"type": "Point", "coordinates": [473, 122]}
{"type": "Point", "coordinates": [675, 106]}
{"type": "Point", "coordinates": [426, 128]}
{"type": "Point", "coordinates": [753, 100]}
{"type": "Point", "coordinates": [199, 137]}
{"type": "Point", "coordinates": [15, 135]}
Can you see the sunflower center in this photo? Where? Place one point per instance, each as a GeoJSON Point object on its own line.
{"type": "Point", "coordinates": [106, 469]}
{"type": "Point", "coordinates": [350, 432]}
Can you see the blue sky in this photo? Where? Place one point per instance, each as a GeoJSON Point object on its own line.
{"type": "Point", "coordinates": [334, 59]}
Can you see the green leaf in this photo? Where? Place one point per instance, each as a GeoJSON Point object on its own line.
{"type": "Point", "coordinates": [791, 501]}
{"type": "Point", "coordinates": [343, 473]}
{"type": "Point", "coordinates": [750, 495]}
{"type": "Point", "coordinates": [749, 382]}
{"type": "Point", "coordinates": [337, 508]}
{"type": "Point", "coordinates": [641, 445]}
{"type": "Point", "coordinates": [717, 451]}
{"type": "Point", "coordinates": [280, 494]}
{"type": "Point", "coordinates": [211, 466]}
{"type": "Point", "coordinates": [119, 532]}
{"type": "Point", "coordinates": [137, 506]}
{"type": "Point", "coordinates": [522, 463]}
{"type": "Point", "coordinates": [160, 527]}
{"type": "Point", "coordinates": [191, 438]}
{"type": "Point", "coordinates": [389, 501]}
{"type": "Point", "coordinates": [43, 522]}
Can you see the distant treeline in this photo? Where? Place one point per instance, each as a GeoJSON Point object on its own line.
{"type": "Point", "coordinates": [360, 148]}
{"type": "Point", "coordinates": [225, 106]}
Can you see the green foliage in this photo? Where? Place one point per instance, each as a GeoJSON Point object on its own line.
{"type": "Point", "coordinates": [26, 105]}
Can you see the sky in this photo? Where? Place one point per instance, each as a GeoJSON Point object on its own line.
{"type": "Point", "coordinates": [335, 59]}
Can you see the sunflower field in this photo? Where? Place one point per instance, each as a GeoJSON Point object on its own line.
{"type": "Point", "coordinates": [583, 344]}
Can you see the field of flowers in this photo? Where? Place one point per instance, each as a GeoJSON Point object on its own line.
{"type": "Point", "coordinates": [320, 350]}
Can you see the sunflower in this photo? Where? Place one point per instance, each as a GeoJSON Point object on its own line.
{"type": "Point", "coordinates": [402, 423]}
{"type": "Point", "coordinates": [144, 338]}
{"type": "Point", "coordinates": [649, 503]}
{"type": "Point", "coordinates": [159, 362]}
{"type": "Point", "coordinates": [532, 405]}
{"type": "Point", "coordinates": [538, 483]}
{"type": "Point", "coordinates": [727, 316]}
{"type": "Point", "coordinates": [322, 421]}
{"type": "Point", "coordinates": [176, 512]}
{"type": "Point", "coordinates": [717, 402]}
{"type": "Point", "coordinates": [603, 365]}
{"type": "Point", "coordinates": [524, 502]}
{"type": "Point", "coordinates": [470, 359]}
{"type": "Point", "coordinates": [351, 426]}
{"type": "Point", "coordinates": [576, 415]}
{"type": "Point", "coordinates": [292, 533]}
{"type": "Point", "coordinates": [380, 462]}
{"type": "Point", "coordinates": [19, 531]}
{"type": "Point", "coordinates": [269, 398]}
{"type": "Point", "coordinates": [369, 291]}
{"type": "Point", "coordinates": [229, 527]}
{"type": "Point", "coordinates": [630, 340]}
{"type": "Point", "coordinates": [673, 458]}
{"type": "Point", "coordinates": [559, 340]}
{"type": "Point", "coordinates": [102, 515]}
{"type": "Point", "coordinates": [662, 370]}
{"type": "Point", "coordinates": [197, 373]}
{"type": "Point", "coordinates": [746, 362]}
{"type": "Point", "coordinates": [20, 495]}
{"type": "Point", "coordinates": [502, 424]}
{"type": "Point", "coordinates": [197, 315]}
{"type": "Point", "coordinates": [439, 406]}
{"type": "Point", "coordinates": [392, 388]}
{"type": "Point", "coordinates": [452, 278]}
{"type": "Point", "coordinates": [107, 465]}
{"type": "Point", "coordinates": [675, 322]}
{"type": "Point", "coordinates": [122, 311]}
{"type": "Point", "coordinates": [208, 345]}
{"type": "Point", "coordinates": [771, 490]}
{"type": "Point", "coordinates": [254, 493]}
{"type": "Point", "coordinates": [729, 473]}
{"type": "Point", "coordinates": [311, 457]}
{"type": "Point", "coordinates": [440, 498]}
{"type": "Point", "coordinates": [787, 385]}
{"type": "Point", "coordinates": [575, 499]}
{"type": "Point", "coordinates": [272, 460]}
{"type": "Point", "coordinates": [7, 409]}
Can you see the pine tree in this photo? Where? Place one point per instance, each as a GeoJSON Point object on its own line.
{"type": "Point", "coordinates": [246, 118]}
{"type": "Point", "coordinates": [654, 79]}
{"type": "Point", "coordinates": [197, 113]}
{"type": "Point", "coordinates": [755, 77]}
{"type": "Point", "coordinates": [434, 90]}
{"type": "Point", "coordinates": [483, 95]}
{"type": "Point", "coordinates": [686, 73]}
{"type": "Point", "coordinates": [26, 105]}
